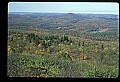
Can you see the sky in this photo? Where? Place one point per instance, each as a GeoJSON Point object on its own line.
{"type": "Point", "coordinates": [65, 7]}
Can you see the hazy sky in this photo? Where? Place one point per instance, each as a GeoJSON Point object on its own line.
{"type": "Point", "coordinates": [63, 7]}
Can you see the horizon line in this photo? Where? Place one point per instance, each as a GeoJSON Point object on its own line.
{"type": "Point", "coordinates": [83, 12]}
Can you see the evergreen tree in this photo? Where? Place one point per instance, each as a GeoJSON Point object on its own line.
{"type": "Point", "coordinates": [79, 43]}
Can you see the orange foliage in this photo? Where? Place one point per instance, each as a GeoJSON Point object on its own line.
{"type": "Point", "coordinates": [44, 75]}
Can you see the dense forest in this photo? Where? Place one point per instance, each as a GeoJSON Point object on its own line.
{"type": "Point", "coordinates": [63, 45]}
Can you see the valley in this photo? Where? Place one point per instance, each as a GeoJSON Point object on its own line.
{"type": "Point", "coordinates": [63, 45]}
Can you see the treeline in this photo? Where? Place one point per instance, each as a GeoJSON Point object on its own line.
{"type": "Point", "coordinates": [43, 40]}
{"type": "Point", "coordinates": [68, 20]}
{"type": "Point", "coordinates": [48, 40]}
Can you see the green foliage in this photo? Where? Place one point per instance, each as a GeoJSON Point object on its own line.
{"type": "Point", "coordinates": [102, 72]}
{"type": "Point", "coordinates": [67, 46]}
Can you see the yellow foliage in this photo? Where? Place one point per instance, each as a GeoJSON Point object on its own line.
{"type": "Point", "coordinates": [66, 52]}
{"type": "Point", "coordinates": [24, 38]}
{"type": "Point", "coordinates": [71, 44]}
{"type": "Point", "coordinates": [81, 49]}
{"type": "Point", "coordinates": [39, 52]}
{"type": "Point", "coordinates": [48, 40]}
{"type": "Point", "coordinates": [60, 52]}
{"type": "Point", "coordinates": [30, 47]}
{"type": "Point", "coordinates": [83, 56]}
{"type": "Point", "coordinates": [39, 45]}
{"type": "Point", "coordinates": [71, 58]}
{"type": "Point", "coordinates": [52, 46]}
{"type": "Point", "coordinates": [106, 49]}
{"type": "Point", "coordinates": [60, 45]}
{"type": "Point", "coordinates": [114, 49]}
{"type": "Point", "coordinates": [9, 49]}
{"type": "Point", "coordinates": [45, 41]}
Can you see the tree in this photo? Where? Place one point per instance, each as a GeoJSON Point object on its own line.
{"type": "Point", "coordinates": [83, 56]}
{"type": "Point", "coordinates": [66, 38]}
{"type": "Point", "coordinates": [62, 39]}
{"type": "Point", "coordinates": [79, 43]}
{"type": "Point", "coordinates": [102, 47]}
{"type": "Point", "coordinates": [83, 43]}
{"type": "Point", "coordinates": [9, 50]}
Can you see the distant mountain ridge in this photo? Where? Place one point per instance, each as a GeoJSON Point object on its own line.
{"type": "Point", "coordinates": [63, 20]}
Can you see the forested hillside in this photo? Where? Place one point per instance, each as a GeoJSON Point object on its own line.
{"type": "Point", "coordinates": [63, 45]}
